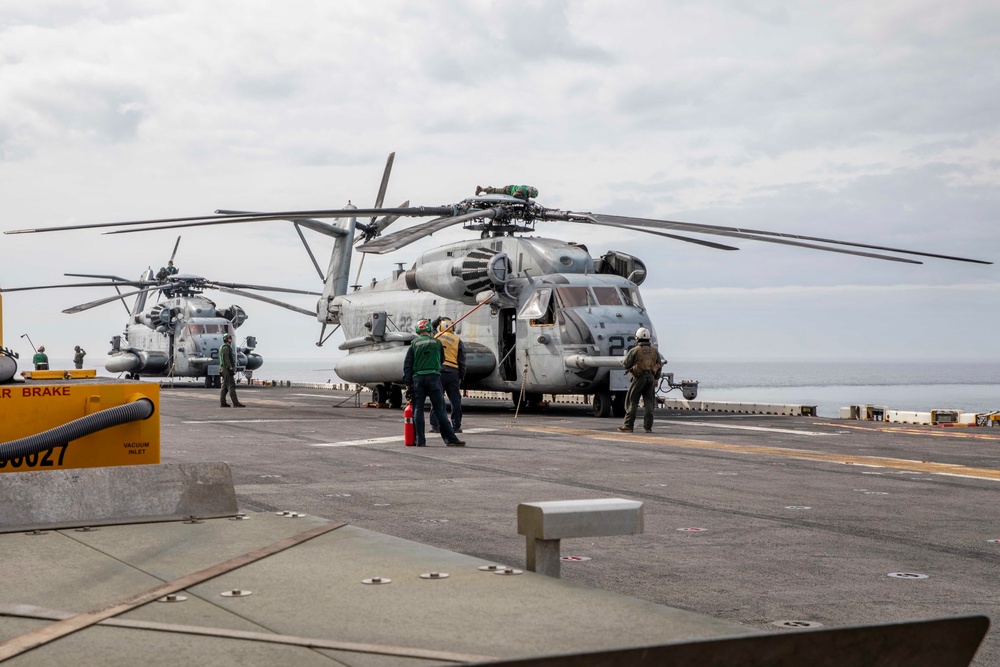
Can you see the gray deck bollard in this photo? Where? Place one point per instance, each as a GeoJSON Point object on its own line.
{"type": "Point", "coordinates": [544, 524]}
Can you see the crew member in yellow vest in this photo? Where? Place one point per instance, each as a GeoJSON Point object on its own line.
{"type": "Point", "coordinates": [452, 372]}
{"type": "Point", "coordinates": [644, 362]}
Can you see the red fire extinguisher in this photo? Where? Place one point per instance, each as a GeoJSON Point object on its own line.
{"type": "Point", "coordinates": [409, 435]}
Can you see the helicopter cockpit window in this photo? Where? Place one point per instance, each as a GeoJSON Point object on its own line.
{"type": "Point", "coordinates": [196, 329]}
{"type": "Point", "coordinates": [607, 296]}
{"type": "Point", "coordinates": [574, 297]}
{"type": "Point", "coordinates": [632, 297]}
{"type": "Point", "coordinates": [537, 304]}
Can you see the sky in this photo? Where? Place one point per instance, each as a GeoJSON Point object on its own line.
{"type": "Point", "coordinates": [870, 122]}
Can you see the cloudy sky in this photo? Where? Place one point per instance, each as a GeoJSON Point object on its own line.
{"type": "Point", "coordinates": [872, 122]}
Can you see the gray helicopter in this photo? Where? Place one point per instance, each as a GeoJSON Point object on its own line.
{"type": "Point", "coordinates": [180, 333]}
{"type": "Point", "coordinates": [537, 315]}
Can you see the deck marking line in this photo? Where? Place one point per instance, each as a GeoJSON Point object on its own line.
{"type": "Point", "coordinates": [30, 611]}
{"type": "Point", "coordinates": [252, 421]}
{"type": "Point", "coordinates": [743, 428]}
{"type": "Point", "coordinates": [915, 431]}
{"type": "Point", "coordinates": [44, 635]}
{"type": "Point", "coordinates": [392, 438]}
{"type": "Point", "coordinates": [949, 469]}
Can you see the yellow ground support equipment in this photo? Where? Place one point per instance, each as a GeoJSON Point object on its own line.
{"type": "Point", "coordinates": [39, 406]}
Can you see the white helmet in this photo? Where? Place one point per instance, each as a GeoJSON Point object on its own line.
{"type": "Point", "coordinates": [642, 334]}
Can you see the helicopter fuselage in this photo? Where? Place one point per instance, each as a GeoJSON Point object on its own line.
{"type": "Point", "coordinates": [552, 324]}
{"type": "Point", "coordinates": [179, 336]}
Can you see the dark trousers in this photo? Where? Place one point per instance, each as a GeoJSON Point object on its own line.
{"type": "Point", "coordinates": [643, 387]}
{"type": "Point", "coordinates": [450, 383]}
{"type": "Point", "coordinates": [429, 386]}
{"type": "Point", "coordinates": [228, 386]}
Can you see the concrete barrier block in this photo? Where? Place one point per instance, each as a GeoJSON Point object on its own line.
{"type": "Point", "coordinates": [121, 494]}
{"type": "Point", "coordinates": [598, 517]}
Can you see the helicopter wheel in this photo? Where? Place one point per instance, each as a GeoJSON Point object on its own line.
{"type": "Point", "coordinates": [602, 404]}
{"type": "Point", "coordinates": [396, 397]}
{"type": "Point", "coordinates": [380, 395]}
{"type": "Point", "coordinates": [217, 381]}
{"type": "Point", "coordinates": [531, 400]}
{"type": "Point", "coordinates": [208, 382]}
{"type": "Point", "coordinates": [618, 404]}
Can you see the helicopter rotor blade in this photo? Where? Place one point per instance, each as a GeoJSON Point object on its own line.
{"type": "Point", "coordinates": [101, 302]}
{"type": "Point", "coordinates": [379, 225]}
{"type": "Point", "coordinates": [407, 236]}
{"type": "Point", "coordinates": [602, 219]}
{"type": "Point", "coordinates": [233, 218]}
{"type": "Point", "coordinates": [176, 245]}
{"type": "Point", "coordinates": [273, 302]}
{"type": "Point", "coordinates": [776, 237]}
{"type": "Point", "coordinates": [94, 275]}
{"type": "Point", "coordinates": [312, 257]}
{"type": "Point", "coordinates": [385, 183]}
{"type": "Point", "coordinates": [104, 284]}
{"type": "Point", "coordinates": [374, 231]}
{"type": "Point", "coordinates": [707, 244]}
{"type": "Point", "coordinates": [265, 288]}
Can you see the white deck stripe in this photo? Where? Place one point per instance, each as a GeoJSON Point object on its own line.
{"type": "Point", "coordinates": [394, 438]}
{"type": "Point", "coordinates": [740, 428]}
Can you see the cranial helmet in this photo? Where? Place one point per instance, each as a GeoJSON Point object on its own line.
{"type": "Point", "coordinates": [642, 334]}
{"type": "Point", "coordinates": [444, 323]}
{"type": "Point", "coordinates": [41, 348]}
{"type": "Point", "coordinates": [227, 338]}
{"type": "Point", "coordinates": [423, 327]}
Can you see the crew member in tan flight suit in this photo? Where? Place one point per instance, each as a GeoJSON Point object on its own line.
{"type": "Point", "coordinates": [452, 372]}
{"type": "Point", "coordinates": [644, 362]}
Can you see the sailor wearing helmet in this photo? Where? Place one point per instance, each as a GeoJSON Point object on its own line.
{"type": "Point", "coordinates": [422, 375]}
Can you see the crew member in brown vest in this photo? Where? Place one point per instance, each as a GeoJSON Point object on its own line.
{"type": "Point", "coordinates": [452, 372]}
{"type": "Point", "coordinates": [644, 362]}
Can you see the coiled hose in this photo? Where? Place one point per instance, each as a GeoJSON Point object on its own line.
{"type": "Point", "coordinates": [8, 367]}
{"type": "Point", "coordinates": [78, 428]}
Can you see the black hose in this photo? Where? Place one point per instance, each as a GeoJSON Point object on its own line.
{"type": "Point", "coordinates": [8, 366]}
{"type": "Point", "coordinates": [78, 428]}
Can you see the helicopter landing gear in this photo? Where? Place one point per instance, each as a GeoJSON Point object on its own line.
{"type": "Point", "coordinates": [383, 394]}
{"type": "Point", "coordinates": [217, 381]}
{"type": "Point", "coordinates": [396, 397]}
{"type": "Point", "coordinates": [618, 404]}
{"type": "Point", "coordinates": [531, 401]}
{"type": "Point", "coordinates": [208, 382]}
{"type": "Point", "coordinates": [602, 404]}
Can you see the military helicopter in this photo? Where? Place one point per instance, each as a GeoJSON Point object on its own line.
{"type": "Point", "coordinates": [537, 315]}
{"type": "Point", "coordinates": [180, 334]}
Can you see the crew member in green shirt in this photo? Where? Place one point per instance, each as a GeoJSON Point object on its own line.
{"type": "Point", "coordinates": [227, 368]}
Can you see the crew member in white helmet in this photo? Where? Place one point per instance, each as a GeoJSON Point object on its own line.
{"type": "Point", "coordinates": [644, 362]}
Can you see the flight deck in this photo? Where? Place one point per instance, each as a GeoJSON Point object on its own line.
{"type": "Point", "coordinates": [753, 524]}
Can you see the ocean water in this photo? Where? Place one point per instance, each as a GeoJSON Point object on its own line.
{"type": "Point", "coordinates": [829, 385]}
{"type": "Point", "coordinates": [919, 385]}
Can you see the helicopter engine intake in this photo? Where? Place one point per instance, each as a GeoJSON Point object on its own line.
{"type": "Point", "coordinates": [462, 278]}
{"type": "Point", "coordinates": [234, 314]}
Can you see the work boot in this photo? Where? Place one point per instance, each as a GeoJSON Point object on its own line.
{"type": "Point", "coordinates": [479, 190]}
{"type": "Point", "coordinates": [224, 405]}
{"type": "Point", "coordinates": [457, 443]}
{"type": "Point", "coordinates": [648, 430]}
{"type": "Point", "coordinates": [624, 429]}
{"type": "Point", "coordinates": [238, 405]}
